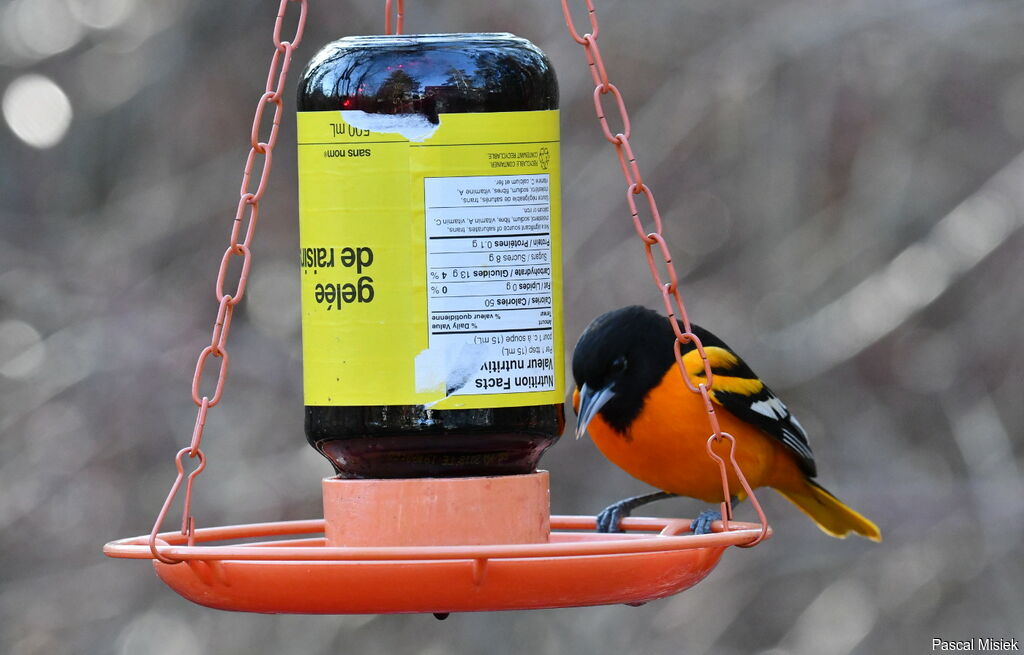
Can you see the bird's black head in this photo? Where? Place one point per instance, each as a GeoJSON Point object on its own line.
{"type": "Point", "coordinates": [618, 359]}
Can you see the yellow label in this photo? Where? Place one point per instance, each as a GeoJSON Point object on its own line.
{"type": "Point", "coordinates": [431, 259]}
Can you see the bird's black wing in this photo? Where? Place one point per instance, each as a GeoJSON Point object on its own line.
{"type": "Point", "coordinates": [738, 389]}
{"type": "Point", "coordinates": [764, 410]}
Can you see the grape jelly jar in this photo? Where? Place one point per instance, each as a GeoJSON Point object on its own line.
{"type": "Point", "coordinates": [430, 253]}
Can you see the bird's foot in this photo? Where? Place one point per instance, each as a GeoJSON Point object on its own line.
{"type": "Point", "coordinates": [702, 524]}
{"type": "Point", "coordinates": [609, 518]}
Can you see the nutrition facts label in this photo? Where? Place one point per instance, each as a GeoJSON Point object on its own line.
{"type": "Point", "coordinates": [489, 280]}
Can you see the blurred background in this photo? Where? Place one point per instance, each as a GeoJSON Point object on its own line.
{"type": "Point", "coordinates": [843, 187]}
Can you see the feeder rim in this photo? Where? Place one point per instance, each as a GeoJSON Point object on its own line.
{"type": "Point", "coordinates": [668, 537]}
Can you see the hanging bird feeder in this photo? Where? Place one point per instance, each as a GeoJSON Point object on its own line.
{"type": "Point", "coordinates": [429, 208]}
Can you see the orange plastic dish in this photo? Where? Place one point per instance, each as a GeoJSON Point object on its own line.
{"type": "Point", "coordinates": [302, 575]}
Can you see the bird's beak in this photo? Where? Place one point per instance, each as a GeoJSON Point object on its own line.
{"type": "Point", "coordinates": [591, 403]}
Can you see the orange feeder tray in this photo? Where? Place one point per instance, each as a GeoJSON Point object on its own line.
{"type": "Point", "coordinates": [311, 575]}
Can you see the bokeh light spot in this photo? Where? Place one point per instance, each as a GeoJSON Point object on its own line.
{"type": "Point", "coordinates": [21, 349]}
{"type": "Point", "coordinates": [45, 27]}
{"type": "Point", "coordinates": [37, 110]}
{"type": "Point", "coordinates": [101, 14]}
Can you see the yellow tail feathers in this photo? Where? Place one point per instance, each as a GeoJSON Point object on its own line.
{"type": "Point", "coordinates": [832, 516]}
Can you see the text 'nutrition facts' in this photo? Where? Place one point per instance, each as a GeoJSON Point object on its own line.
{"type": "Point", "coordinates": [489, 278]}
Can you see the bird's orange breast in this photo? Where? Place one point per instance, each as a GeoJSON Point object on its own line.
{"type": "Point", "coordinates": [665, 446]}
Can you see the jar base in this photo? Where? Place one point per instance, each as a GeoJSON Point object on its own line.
{"type": "Point", "coordinates": [435, 456]}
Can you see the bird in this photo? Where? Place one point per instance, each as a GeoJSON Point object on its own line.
{"type": "Point", "coordinates": [631, 397]}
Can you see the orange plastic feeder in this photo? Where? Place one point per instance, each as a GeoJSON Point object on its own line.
{"type": "Point", "coordinates": [488, 547]}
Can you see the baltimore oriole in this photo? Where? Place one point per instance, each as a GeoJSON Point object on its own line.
{"type": "Point", "coordinates": [632, 399]}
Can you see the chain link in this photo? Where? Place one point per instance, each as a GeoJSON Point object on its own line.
{"type": "Point", "coordinates": [246, 214]}
{"type": "Point", "coordinates": [668, 288]}
{"type": "Point", "coordinates": [247, 206]}
{"type": "Point", "coordinates": [399, 18]}
{"type": "Point", "coordinates": [630, 168]}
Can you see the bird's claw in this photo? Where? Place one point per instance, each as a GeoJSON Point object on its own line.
{"type": "Point", "coordinates": [702, 524]}
{"type": "Point", "coordinates": [610, 517]}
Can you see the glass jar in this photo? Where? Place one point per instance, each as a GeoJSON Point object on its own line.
{"type": "Point", "coordinates": [425, 78]}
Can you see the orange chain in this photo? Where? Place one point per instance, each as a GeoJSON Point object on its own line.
{"type": "Point", "coordinates": [669, 290]}
{"type": "Point", "coordinates": [245, 214]}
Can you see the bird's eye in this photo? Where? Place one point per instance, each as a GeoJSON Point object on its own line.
{"type": "Point", "coordinates": [619, 365]}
